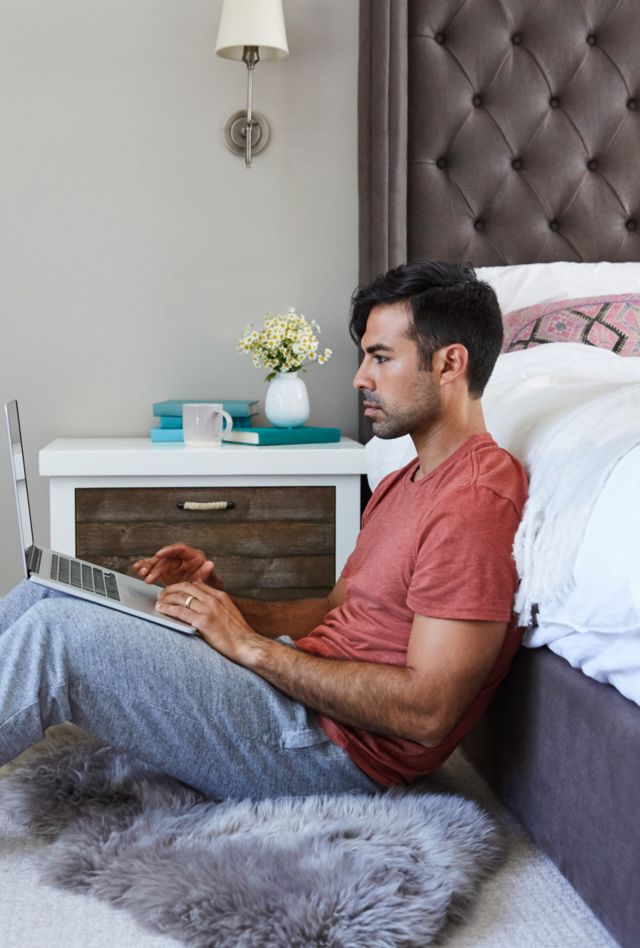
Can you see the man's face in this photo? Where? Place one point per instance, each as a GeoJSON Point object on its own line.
{"type": "Point", "coordinates": [400, 397]}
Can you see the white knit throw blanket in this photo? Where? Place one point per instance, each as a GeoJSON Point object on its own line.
{"type": "Point", "coordinates": [569, 461]}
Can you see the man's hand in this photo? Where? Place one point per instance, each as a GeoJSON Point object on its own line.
{"type": "Point", "coordinates": [215, 616]}
{"type": "Point", "coordinates": [178, 563]}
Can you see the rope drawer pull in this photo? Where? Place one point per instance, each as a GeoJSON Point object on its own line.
{"type": "Point", "coordinates": [213, 505]}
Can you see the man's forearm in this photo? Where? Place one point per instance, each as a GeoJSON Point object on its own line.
{"type": "Point", "coordinates": [387, 699]}
{"type": "Point", "coordinates": [379, 698]}
{"type": "Point", "coordinates": [294, 618]}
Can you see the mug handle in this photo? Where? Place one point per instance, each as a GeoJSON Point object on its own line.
{"type": "Point", "coordinates": [226, 418]}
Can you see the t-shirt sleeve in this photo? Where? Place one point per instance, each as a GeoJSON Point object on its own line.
{"type": "Point", "coordinates": [464, 561]}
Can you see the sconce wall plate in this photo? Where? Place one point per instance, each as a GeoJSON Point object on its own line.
{"type": "Point", "coordinates": [235, 132]}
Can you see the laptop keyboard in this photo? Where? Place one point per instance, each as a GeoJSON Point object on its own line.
{"type": "Point", "coordinates": [82, 576]}
{"type": "Point", "coordinates": [34, 557]}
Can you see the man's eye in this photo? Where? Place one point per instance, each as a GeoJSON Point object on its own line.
{"type": "Point", "coordinates": [380, 359]}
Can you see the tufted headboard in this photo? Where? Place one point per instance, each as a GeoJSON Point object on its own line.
{"type": "Point", "coordinates": [499, 131]}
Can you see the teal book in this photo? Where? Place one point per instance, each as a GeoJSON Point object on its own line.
{"type": "Point", "coordinates": [167, 435]}
{"type": "Point", "coordinates": [237, 407]}
{"type": "Point", "coordinates": [302, 435]}
{"type": "Point", "coordinates": [175, 421]}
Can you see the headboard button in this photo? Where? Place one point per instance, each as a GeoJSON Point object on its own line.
{"type": "Point", "coordinates": [516, 39]}
{"type": "Point", "coordinates": [516, 164]}
{"type": "Point", "coordinates": [591, 40]}
{"type": "Point", "coordinates": [592, 165]}
{"type": "Point", "coordinates": [477, 101]}
{"type": "Point", "coordinates": [479, 224]}
{"type": "Point", "coordinates": [440, 38]}
{"type": "Point", "coordinates": [554, 102]}
{"type": "Point", "coordinates": [554, 226]}
{"type": "Point", "coordinates": [632, 103]}
{"type": "Point", "coordinates": [631, 224]}
{"type": "Point", "coordinates": [441, 163]}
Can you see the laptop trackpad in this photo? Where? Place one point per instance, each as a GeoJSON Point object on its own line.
{"type": "Point", "coordinates": [138, 595]}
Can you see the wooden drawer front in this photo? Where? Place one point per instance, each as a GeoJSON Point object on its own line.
{"type": "Point", "coordinates": [276, 542]}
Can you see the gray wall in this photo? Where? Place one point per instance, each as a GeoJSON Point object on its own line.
{"type": "Point", "coordinates": [134, 248]}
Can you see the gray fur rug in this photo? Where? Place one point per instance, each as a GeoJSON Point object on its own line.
{"type": "Point", "coordinates": [338, 872]}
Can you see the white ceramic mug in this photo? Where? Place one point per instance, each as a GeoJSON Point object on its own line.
{"type": "Point", "coordinates": [203, 424]}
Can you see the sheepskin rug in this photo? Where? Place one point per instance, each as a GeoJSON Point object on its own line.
{"type": "Point", "coordinates": [338, 872]}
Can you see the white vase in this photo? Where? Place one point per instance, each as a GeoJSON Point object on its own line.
{"type": "Point", "coordinates": [287, 401]}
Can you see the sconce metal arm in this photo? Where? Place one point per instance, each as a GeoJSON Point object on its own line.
{"type": "Point", "coordinates": [250, 56]}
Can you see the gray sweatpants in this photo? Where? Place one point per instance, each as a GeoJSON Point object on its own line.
{"type": "Point", "coordinates": [167, 698]}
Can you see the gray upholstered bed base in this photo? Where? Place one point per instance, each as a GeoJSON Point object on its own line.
{"type": "Point", "coordinates": [562, 751]}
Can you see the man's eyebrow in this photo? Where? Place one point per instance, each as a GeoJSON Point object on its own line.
{"type": "Point", "coordinates": [378, 347]}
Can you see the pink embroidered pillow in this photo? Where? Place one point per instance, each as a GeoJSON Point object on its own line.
{"type": "Point", "coordinates": [608, 322]}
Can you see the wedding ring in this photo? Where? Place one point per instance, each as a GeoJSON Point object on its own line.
{"type": "Point", "coordinates": [188, 601]}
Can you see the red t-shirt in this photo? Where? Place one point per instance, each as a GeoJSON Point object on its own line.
{"type": "Point", "coordinates": [440, 547]}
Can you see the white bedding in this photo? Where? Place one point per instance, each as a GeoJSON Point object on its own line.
{"type": "Point", "coordinates": [599, 632]}
{"type": "Point", "coordinates": [571, 413]}
{"type": "Point", "coordinates": [612, 659]}
{"type": "Point", "coordinates": [531, 283]}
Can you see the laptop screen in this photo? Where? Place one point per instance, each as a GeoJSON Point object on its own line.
{"type": "Point", "coordinates": [19, 475]}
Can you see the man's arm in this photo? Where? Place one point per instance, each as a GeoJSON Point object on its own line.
{"type": "Point", "coordinates": [179, 563]}
{"type": "Point", "coordinates": [447, 662]}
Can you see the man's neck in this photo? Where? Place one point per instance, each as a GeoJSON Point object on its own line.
{"type": "Point", "coordinates": [445, 437]}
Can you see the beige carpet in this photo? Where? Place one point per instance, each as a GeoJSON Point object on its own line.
{"type": "Point", "coordinates": [526, 903]}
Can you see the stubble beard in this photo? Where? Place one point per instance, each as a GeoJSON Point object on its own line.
{"type": "Point", "coordinates": [420, 416]}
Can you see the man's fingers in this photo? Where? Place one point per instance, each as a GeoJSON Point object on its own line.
{"type": "Point", "coordinates": [168, 551]}
{"type": "Point", "coordinates": [177, 592]}
{"type": "Point", "coordinates": [143, 563]}
{"type": "Point", "coordinates": [178, 612]}
{"type": "Point", "coordinates": [205, 571]}
{"type": "Point", "coordinates": [180, 550]}
{"type": "Point", "coordinates": [190, 602]}
{"type": "Point", "coordinates": [180, 592]}
{"type": "Point", "coordinates": [142, 567]}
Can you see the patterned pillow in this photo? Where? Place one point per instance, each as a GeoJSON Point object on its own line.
{"type": "Point", "coordinates": [609, 322]}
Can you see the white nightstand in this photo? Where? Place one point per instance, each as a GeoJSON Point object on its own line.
{"type": "Point", "coordinates": [294, 520]}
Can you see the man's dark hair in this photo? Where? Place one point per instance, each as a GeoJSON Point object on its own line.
{"type": "Point", "coordinates": [448, 303]}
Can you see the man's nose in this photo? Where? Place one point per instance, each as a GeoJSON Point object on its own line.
{"type": "Point", "coordinates": [360, 379]}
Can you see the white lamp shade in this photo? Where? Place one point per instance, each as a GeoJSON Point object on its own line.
{"type": "Point", "coordinates": [252, 23]}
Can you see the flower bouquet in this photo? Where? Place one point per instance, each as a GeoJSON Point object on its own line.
{"type": "Point", "coordinates": [284, 344]}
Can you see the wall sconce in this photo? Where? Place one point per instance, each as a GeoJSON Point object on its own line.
{"type": "Point", "coordinates": [250, 30]}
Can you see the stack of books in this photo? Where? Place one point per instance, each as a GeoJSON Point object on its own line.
{"type": "Point", "coordinates": [168, 416]}
{"type": "Point", "coordinates": [168, 427]}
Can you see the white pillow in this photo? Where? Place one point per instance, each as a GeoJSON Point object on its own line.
{"type": "Point", "coordinates": [385, 455]}
{"type": "Point", "coordinates": [530, 283]}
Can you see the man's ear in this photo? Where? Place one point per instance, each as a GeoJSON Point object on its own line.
{"type": "Point", "coordinates": [450, 363]}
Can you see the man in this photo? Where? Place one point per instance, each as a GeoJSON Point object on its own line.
{"type": "Point", "coordinates": [386, 674]}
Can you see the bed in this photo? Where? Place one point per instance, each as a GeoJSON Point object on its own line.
{"type": "Point", "coordinates": [509, 135]}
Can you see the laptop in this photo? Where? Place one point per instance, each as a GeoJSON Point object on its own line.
{"type": "Point", "coordinates": [76, 577]}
